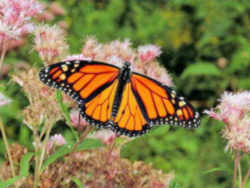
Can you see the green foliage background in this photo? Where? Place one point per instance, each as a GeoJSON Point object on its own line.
{"type": "Point", "coordinates": [195, 36]}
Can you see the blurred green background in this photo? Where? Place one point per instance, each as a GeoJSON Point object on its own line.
{"type": "Point", "coordinates": [206, 49]}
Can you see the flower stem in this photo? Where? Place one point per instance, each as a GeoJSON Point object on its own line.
{"type": "Point", "coordinates": [236, 163]}
{"type": "Point", "coordinates": [83, 136]}
{"type": "Point", "coordinates": [7, 148]}
{"type": "Point", "coordinates": [3, 52]}
{"type": "Point", "coordinates": [44, 146]}
{"type": "Point", "coordinates": [246, 178]}
{"type": "Point", "coordinates": [37, 151]}
{"type": "Point", "coordinates": [239, 172]}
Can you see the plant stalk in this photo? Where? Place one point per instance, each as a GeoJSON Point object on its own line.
{"type": "Point", "coordinates": [7, 148]}
{"type": "Point", "coordinates": [37, 154]}
{"type": "Point", "coordinates": [44, 147]}
{"type": "Point", "coordinates": [83, 136]}
{"type": "Point", "coordinates": [3, 52]}
{"type": "Point", "coordinates": [246, 178]}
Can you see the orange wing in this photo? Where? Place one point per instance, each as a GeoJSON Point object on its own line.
{"type": "Point", "coordinates": [80, 79]}
{"type": "Point", "coordinates": [161, 104]}
{"type": "Point", "coordinates": [91, 84]}
{"type": "Point", "coordinates": [129, 119]}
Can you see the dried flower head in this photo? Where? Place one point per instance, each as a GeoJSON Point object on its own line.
{"type": "Point", "coordinates": [234, 111]}
{"type": "Point", "coordinates": [4, 100]}
{"type": "Point", "coordinates": [15, 20]}
{"type": "Point", "coordinates": [50, 43]}
{"type": "Point", "coordinates": [39, 97]}
{"type": "Point", "coordinates": [104, 173]}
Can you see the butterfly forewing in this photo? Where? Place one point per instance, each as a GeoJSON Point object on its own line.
{"type": "Point", "coordinates": [82, 80]}
{"type": "Point", "coordinates": [162, 105]}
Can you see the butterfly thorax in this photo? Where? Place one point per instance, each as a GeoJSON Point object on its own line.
{"type": "Point", "coordinates": [124, 77]}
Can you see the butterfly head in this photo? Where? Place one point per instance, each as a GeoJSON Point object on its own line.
{"type": "Point", "coordinates": [126, 65]}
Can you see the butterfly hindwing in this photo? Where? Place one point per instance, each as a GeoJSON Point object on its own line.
{"type": "Point", "coordinates": [162, 105]}
{"type": "Point", "coordinates": [98, 110]}
{"type": "Point", "coordinates": [129, 119]}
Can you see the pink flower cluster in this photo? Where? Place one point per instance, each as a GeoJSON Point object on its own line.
{"type": "Point", "coordinates": [234, 111]}
{"type": "Point", "coordinates": [77, 120]}
{"type": "Point", "coordinates": [56, 140]}
{"type": "Point", "coordinates": [105, 136]}
{"type": "Point", "coordinates": [15, 18]}
{"type": "Point", "coordinates": [50, 43]}
{"type": "Point", "coordinates": [117, 52]}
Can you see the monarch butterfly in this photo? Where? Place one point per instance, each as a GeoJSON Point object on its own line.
{"type": "Point", "coordinates": [111, 97]}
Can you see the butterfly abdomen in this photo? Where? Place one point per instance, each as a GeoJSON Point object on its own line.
{"type": "Point", "coordinates": [123, 79]}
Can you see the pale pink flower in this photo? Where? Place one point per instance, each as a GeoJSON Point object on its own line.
{"type": "Point", "coordinates": [107, 52]}
{"type": "Point", "coordinates": [121, 49]}
{"type": "Point", "coordinates": [77, 57]}
{"type": "Point", "coordinates": [15, 20]}
{"type": "Point", "coordinates": [115, 60]}
{"type": "Point", "coordinates": [4, 100]}
{"type": "Point", "coordinates": [77, 120]}
{"type": "Point", "coordinates": [159, 73]}
{"type": "Point", "coordinates": [45, 16]}
{"type": "Point", "coordinates": [106, 136]}
{"type": "Point", "coordinates": [234, 111]}
{"type": "Point", "coordinates": [148, 53]}
{"type": "Point", "coordinates": [55, 140]}
{"type": "Point", "coordinates": [91, 48]}
{"type": "Point", "coordinates": [50, 43]}
{"type": "Point", "coordinates": [238, 136]}
{"type": "Point", "coordinates": [63, 24]}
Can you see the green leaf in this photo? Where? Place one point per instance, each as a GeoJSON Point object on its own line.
{"type": "Point", "coordinates": [66, 149]}
{"type": "Point", "coordinates": [173, 184]}
{"type": "Point", "coordinates": [201, 68]}
{"type": "Point", "coordinates": [24, 165]}
{"type": "Point", "coordinates": [89, 144]}
{"type": "Point", "coordinates": [10, 181]}
{"type": "Point", "coordinates": [213, 170]}
{"type": "Point", "coordinates": [63, 150]}
{"type": "Point", "coordinates": [77, 182]}
{"type": "Point", "coordinates": [24, 171]}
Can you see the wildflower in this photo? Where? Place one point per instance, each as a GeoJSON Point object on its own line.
{"type": "Point", "coordinates": [15, 18]}
{"type": "Point", "coordinates": [77, 57]}
{"type": "Point", "coordinates": [55, 140]}
{"type": "Point", "coordinates": [106, 136]}
{"type": "Point", "coordinates": [234, 111]}
{"type": "Point", "coordinates": [121, 49]}
{"type": "Point", "coordinates": [91, 48]}
{"type": "Point", "coordinates": [115, 60]}
{"type": "Point", "coordinates": [39, 97]}
{"type": "Point", "coordinates": [159, 73]}
{"type": "Point", "coordinates": [77, 120]}
{"type": "Point", "coordinates": [148, 53]}
{"type": "Point", "coordinates": [50, 43]}
{"type": "Point", "coordinates": [4, 100]}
